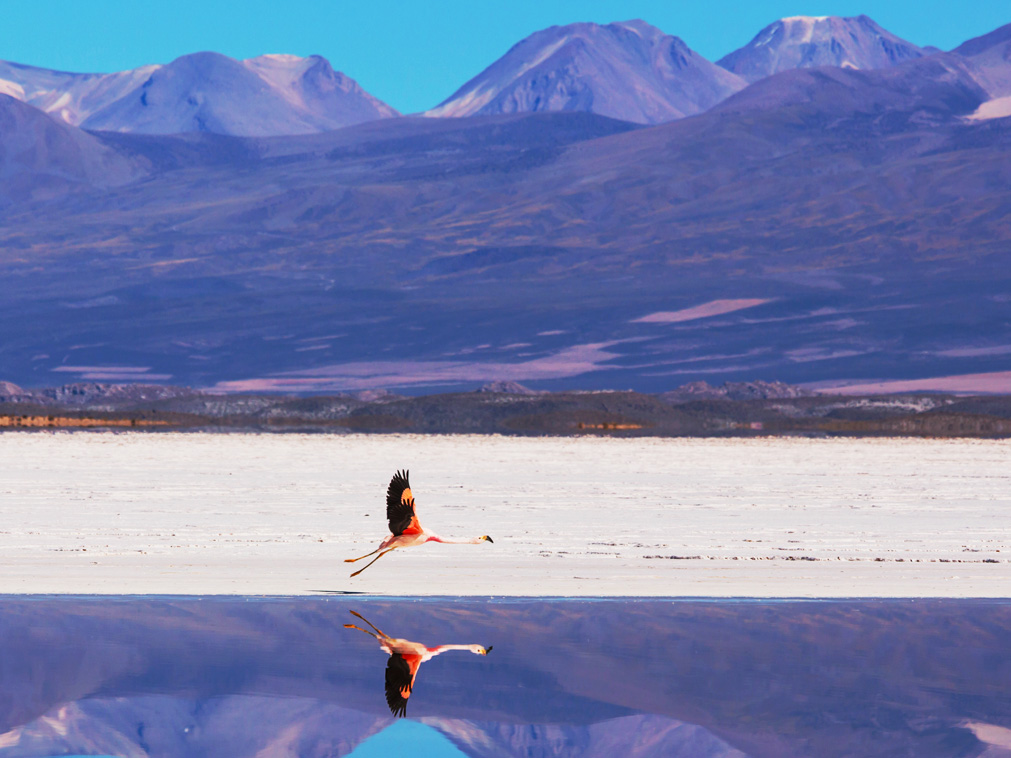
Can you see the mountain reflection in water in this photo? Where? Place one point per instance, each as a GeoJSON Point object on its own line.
{"type": "Point", "coordinates": [237, 677]}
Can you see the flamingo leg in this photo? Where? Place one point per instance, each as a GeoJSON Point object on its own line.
{"type": "Point", "coordinates": [372, 561]}
{"type": "Point", "coordinates": [352, 626]}
{"type": "Point", "coordinates": [356, 613]}
{"type": "Point", "coordinates": [352, 560]}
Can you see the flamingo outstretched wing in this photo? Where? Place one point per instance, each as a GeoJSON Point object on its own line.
{"type": "Point", "coordinates": [400, 506]}
{"type": "Point", "coordinates": [400, 675]}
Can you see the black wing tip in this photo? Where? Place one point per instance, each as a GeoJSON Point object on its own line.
{"type": "Point", "coordinates": [398, 483]}
{"type": "Point", "coordinates": [398, 709]}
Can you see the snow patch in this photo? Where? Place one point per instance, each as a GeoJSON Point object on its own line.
{"type": "Point", "coordinates": [12, 89]}
{"type": "Point", "coordinates": [991, 734]}
{"type": "Point", "coordinates": [806, 24]}
{"type": "Point", "coordinates": [465, 104]}
{"type": "Point", "coordinates": [999, 107]}
{"type": "Point", "coordinates": [279, 57]}
{"type": "Point", "coordinates": [543, 56]}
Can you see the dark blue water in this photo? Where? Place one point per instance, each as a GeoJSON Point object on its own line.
{"type": "Point", "coordinates": [252, 676]}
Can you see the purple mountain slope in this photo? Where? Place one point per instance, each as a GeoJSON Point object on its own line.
{"type": "Point", "coordinates": [810, 41]}
{"type": "Point", "coordinates": [41, 157]}
{"type": "Point", "coordinates": [821, 224]}
{"type": "Point", "coordinates": [265, 96]}
{"type": "Point", "coordinates": [630, 71]}
{"type": "Point", "coordinates": [638, 736]}
{"type": "Point", "coordinates": [939, 88]}
{"type": "Point", "coordinates": [989, 59]}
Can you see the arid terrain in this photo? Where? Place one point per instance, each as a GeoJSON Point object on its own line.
{"type": "Point", "coordinates": [747, 409]}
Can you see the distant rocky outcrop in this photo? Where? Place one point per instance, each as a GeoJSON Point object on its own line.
{"type": "Point", "coordinates": [92, 395]}
{"type": "Point", "coordinates": [756, 390]}
{"type": "Point", "coordinates": [9, 390]}
{"type": "Point", "coordinates": [508, 388]}
{"type": "Point", "coordinates": [696, 409]}
{"type": "Point", "coordinates": [374, 396]}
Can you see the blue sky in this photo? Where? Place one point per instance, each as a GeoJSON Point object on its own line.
{"type": "Point", "coordinates": [407, 738]}
{"type": "Point", "coordinates": [415, 54]}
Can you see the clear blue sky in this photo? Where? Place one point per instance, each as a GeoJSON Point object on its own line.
{"type": "Point", "coordinates": [407, 738]}
{"type": "Point", "coordinates": [415, 54]}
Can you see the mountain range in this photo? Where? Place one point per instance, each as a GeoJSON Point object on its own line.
{"type": "Point", "coordinates": [821, 225]}
{"type": "Point", "coordinates": [629, 71]}
{"type": "Point", "coordinates": [203, 92]}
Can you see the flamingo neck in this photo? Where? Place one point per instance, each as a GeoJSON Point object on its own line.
{"type": "Point", "coordinates": [434, 651]}
{"type": "Point", "coordinates": [447, 541]}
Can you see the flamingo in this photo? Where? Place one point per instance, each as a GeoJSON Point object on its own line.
{"type": "Point", "coordinates": [405, 658]}
{"type": "Point", "coordinates": [404, 525]}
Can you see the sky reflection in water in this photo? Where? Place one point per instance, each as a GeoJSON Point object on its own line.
{"type": "Point", "coordinates": [235, 677]}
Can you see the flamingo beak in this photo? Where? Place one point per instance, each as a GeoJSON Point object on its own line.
{"type": "Point", "coordinates": [487, 650]}
{"type": "Point", "coordinates": [486, 537]}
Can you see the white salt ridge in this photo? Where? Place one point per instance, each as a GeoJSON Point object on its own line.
{"type": "Point", "coordinates": [276, 514]}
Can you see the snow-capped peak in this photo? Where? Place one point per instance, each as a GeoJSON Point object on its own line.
{"type": "Point", "coordinates": [802, 27]}
{"type": "Point", "coordinates": [267, 95]}
{"type": "Point", "coordinates": [808, 41]}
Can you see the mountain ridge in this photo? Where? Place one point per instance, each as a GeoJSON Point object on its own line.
{"type": "Point", "coordinates": [626, 70]}
{"type": "Point", "coordinates": [264, 96]}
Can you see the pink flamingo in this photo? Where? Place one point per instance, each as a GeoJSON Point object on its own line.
{"type": "Point", "coordinates": [406, 530]}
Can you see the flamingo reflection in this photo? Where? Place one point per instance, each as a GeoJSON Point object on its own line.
{"type": "Point", "coordinates": [405, 658]}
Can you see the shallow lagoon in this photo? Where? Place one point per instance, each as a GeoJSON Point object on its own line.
{"type": "Point", "coordinates": [253, 676]}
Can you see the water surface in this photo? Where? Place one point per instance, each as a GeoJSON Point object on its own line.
{"type": "Point", "coordinates": [249, 676]}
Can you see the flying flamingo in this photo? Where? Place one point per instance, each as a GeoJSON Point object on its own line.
{"type": "Point", "coordinates": [404, 525]}
{"type": "Point", "coordinates": [405, 658]}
